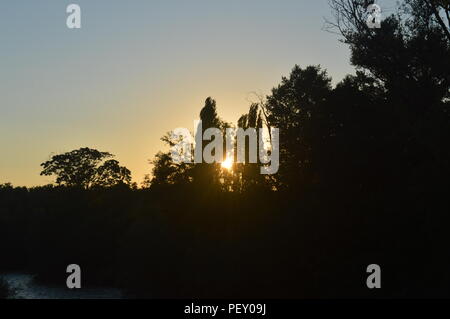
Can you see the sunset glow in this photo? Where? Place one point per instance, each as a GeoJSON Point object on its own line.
{"type": "Point", "coordinates": [227, 163]}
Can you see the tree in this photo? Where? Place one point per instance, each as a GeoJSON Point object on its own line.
{"type": "Point", "coordinates": [165, 171]}
{"type": "Point", "coordinates": [296, 107]}
{"type": "Point", "coordinates": [440, 10]}
{"type": "Point", "coordinates": [208, 176]}
{"type": "Point", "coordinates": [247, 175]}
{"type": "Point", "coordinates": [111, 173]}
{"type": "Point", "coordinates": [361, 142]}
{"type": "Point", "coordinates": [409, 54]}
{"type": "Point", "coordinates": [86, 168]}
{"type": "Point", "coordinates": [409, 59]}
{"type": "Point", "coordinates": [203, 175]}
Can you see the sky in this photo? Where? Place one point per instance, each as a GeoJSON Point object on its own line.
{"type": "Point", "coordinates": [138, 69]}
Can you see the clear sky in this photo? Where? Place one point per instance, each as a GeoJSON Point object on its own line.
{"type": "Point", "coordinates": [137, 69]}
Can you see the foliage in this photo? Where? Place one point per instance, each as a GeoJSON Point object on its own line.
{"type": "Point", "coordinates": [86, 168]}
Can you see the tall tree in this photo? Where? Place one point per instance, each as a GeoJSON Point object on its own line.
{"type": "Point", "coordinates": [205, 175]}
{"type": "Point", "coordinates": [247, 175]}
{"type": "Point", "coordinates": [295, 107]}
{"type": "Point", "coordinates": [409, 56]}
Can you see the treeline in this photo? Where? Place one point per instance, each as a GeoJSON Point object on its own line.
{"type": "Point", "coordinates": [178, 242]}
{"type": "Point", "coordinates": [363, 179]}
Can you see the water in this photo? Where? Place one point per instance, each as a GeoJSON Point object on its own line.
{"type": "Point", "coordinates": [26, 288]}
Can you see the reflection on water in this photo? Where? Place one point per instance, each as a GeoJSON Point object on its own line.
{"type": "Point", "coordinates": [26, 288]}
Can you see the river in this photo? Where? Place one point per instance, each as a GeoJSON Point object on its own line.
{"type": "Point", "coordinates": [26, 288]}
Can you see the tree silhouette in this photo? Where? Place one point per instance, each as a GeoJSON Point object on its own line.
{"type": "Point", "coordinates": [165, 171]}
{"type": "Point", "coordinates": [409, 60]}
{"type": "Point", "coordinates": [247, 175]}
{"type": "Point", "coordinates": [207, 175]}
{"type": "Point", "coordinates": [408, 54]}
{"type": "Point", "coordinates": [202, 175]}
{"type": "Point", "coordinates": [86, 168]}
{"type": "Point", "coordinates": [296, 108]}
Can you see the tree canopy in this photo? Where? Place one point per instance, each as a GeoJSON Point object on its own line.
{"type": "Point", "coordinates": [86, 168]}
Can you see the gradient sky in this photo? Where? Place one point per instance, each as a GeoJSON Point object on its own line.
{"type": "Point", "coordinates": [137, 69]}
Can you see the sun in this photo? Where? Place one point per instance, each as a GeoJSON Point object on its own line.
{"type": "Point", "coordinates": [227, 163]}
